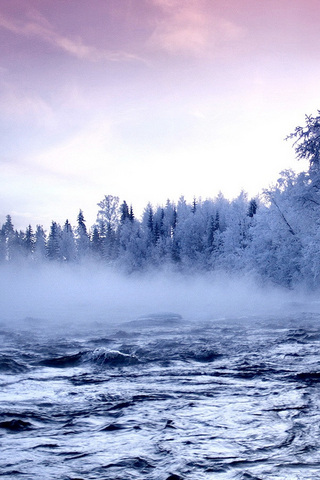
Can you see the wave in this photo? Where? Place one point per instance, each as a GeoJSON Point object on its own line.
{"type": "Point", "coordinates": [9, 365]}
{"type": "Point", "coordinates": [98, 356]}
{"type": "Point", "coordinates": [16, 425]}
{"type": "Point", "coordinates": [102, 356]}
{"type": "Point", "coordinates": [63, 361]}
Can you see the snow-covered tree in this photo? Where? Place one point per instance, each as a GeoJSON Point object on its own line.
{"type": "Point", "coordinates": [235, 236]}
{"type": "Point", "coordinates": [3, 247]}
{"type": "Point", "coordinates": [54, 242]}
{"type": "Point", "coordinates": [124, 212]}
{"type": "Point", "coordinates": [68, 250]}
{"type": "Point", "coordinates": [148, 231]}
{"type": "Point", "coordinates": [108, 221]}
{"type": "Point", "coordinates": [81, 236]}
{"type": "Point", "coordinates": [191, 236]}
{"type": "Point", "coordinates": [9, 238]}
{"type": "Point", "coordinates": [253, 206]}
{"type": "Point", "coordinates": [132, 248]}
{"type": "Point", "coordinates": [96, 244]}
{"type": "Point", "coordinates": [29, 241]}
{"type": "Point", "coordinates": [40, 250]}
{"type": "Point", "coordinates": [131, 214]}
{"type": "Point", "coordinates": [109, 212]}
{"type": "Point", "coordinates": [307, 147]}
{"type": "Point", "coordinates": [307, 142]}
{"type": "Point", "coordinates": [275, 236]}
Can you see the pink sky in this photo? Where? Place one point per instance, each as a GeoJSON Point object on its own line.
{"type": "Point", "coordinates": [149, 100]}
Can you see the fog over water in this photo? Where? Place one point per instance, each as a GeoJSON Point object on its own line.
{"type": "Point", "coordinates": [88, 293]}
{"type": "Point", "coordinates": [99, 380]}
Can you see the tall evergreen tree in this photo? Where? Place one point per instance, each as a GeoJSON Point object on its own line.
{"type": "Point", "coordinates": [3, 246]}
{"type": "Point", "coordinates": [9, 238]}
{"type": "Point", "coordinates": [95, 244]}
{"type": "Point", "coordinates": [82, 237]}
{"type": "Point", "coordinates": [40, 250]}
{"type": "Point", "coordinates": [54, 242]}
{"type": "Point", "coordinates": [29, 241]}
{"type": "Point", "coordinates": [131, 214]}
{"type": "Point", "coordinates": [124, 212]}
{"type": "Point", "coordinates": [194, 205]}
{"type": "Point", "coordinates": [67, 243]}
{"type": "Point", "coordinates": [148, 228]}
{"type": "Point", "coordinates": [253, 206]}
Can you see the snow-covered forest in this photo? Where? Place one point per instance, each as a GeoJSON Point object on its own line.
{"type": "Point", "coordinates": [275, 237]}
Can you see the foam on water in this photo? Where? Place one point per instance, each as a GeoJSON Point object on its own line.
{"type": "Point", "coordinates": [234, 399]}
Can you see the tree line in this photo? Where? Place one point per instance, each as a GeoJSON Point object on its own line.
{"type": "Point", "coordinates": [276, 236]}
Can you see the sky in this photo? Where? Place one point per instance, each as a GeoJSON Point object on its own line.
{"type": "Point", "coordinates": [149, 100]}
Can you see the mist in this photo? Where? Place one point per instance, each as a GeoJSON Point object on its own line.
{"type": "Point", "coordinates": [82, 295]}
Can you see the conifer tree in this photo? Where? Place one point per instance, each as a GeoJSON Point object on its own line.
{"type": "Point", "coordinates": [253, 206]}
{"type": "Point", "coordinates": [95, 245]}
{"type": "Point", "coordinates": [131, 214]}
{"type": "Point", "coordinates": [40, 250]}
{"type": "Point", "coordinates": [82, 237]}
{"type": "Point", "coordinates": [67, 243]}
{"type": "Point", "coordinates": [124, 212]}
{"type": "Point", "coordinates": [54, 242]}
{"type": "Point", "coordinates": [9, 238]}
{"type": "Point", "coordinates": [29, 241]}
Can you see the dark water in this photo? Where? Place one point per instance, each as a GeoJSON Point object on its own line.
{"type": "Point", "coordinates": [162, 399]}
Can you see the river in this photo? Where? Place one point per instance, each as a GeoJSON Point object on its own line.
{"type": "Point", "coordinates": [162, 398]}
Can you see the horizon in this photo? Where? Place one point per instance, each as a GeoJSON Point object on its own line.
{"type": "Point", "coordinates": [149, 101]}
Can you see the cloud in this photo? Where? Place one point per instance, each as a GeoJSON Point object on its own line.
{"type": "Point", "coordinates": [24, 106]}
{"type": "Point", "coordinates": [75, 156]}
{"type": "Point", "coordinates": [181, 30]}
{"type": "Point", "coordinates": [39, 27]}
{"type": "Point", "coordinates": [191, 28]}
